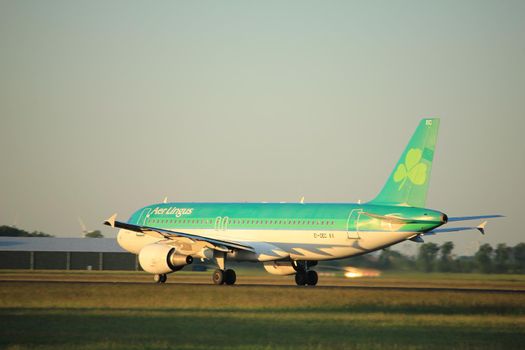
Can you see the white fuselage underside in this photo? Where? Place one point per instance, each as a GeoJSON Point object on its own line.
{"type": "Point", "coordinates": [282, 244]}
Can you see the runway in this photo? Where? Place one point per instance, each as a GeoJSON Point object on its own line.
{"type": "Point", "coordinates": [268, 285]}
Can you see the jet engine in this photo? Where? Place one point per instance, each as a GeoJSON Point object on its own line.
{"type": "Point", "coordinates": [281, 268]}
{"type": "Point", "coordinates": [161, 258]}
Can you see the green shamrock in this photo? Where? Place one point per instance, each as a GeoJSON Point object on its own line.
{"type": "Point", "coordinates": [412, 169]}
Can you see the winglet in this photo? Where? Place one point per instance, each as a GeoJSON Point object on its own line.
{"type": "Point", "coordinates": [481, 227]}
{"type": "Point", "coordinates": [111, 220]}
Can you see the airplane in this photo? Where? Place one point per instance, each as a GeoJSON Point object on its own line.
{"type": "Point", "coordinates": [291, 238]}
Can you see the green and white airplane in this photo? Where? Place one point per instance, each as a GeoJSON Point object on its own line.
{"type": "Point", "coordinates": [290, 238]}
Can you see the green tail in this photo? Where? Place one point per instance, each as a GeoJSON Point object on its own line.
{"type": "Point", "coordinates": [408, 183]}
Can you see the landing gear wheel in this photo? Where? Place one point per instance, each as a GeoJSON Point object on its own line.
{"type": "Point", "coordinates": [160, 278]}
{"type": "Point", "coordinates": [300, 278]}
{"type": "Point", "coordinates": [230, 277]}
{"type": "Point", "coordinates": [218, 277]}
{"type": "Point", "coordinates": [311, 278]}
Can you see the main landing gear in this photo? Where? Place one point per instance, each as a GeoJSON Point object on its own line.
{"type": "Point", "coordinates": [224, 277]}
{"type": "Point", "coordinates": [221, 275]}
{"type": "Point", "coordinates": [160, 278]}
{"type": "Point", "coordinates": [304, 276]}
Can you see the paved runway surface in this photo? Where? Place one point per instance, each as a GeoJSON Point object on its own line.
{"type": "Point", "coordinates": [269, 285]}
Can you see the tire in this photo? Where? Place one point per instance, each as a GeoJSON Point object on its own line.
{"type": "Point", "coordinates": [311, 278]}
{"type": "Point", "coordinates": [300, 278]}
{"type": "Point", "coordinates": [230, 277]}
{"type": "Point", "coordinates": [157, 278]}
{"type": "Point", "coordinates": [163, 278]}
{"type": "Point", "coordinates": [218, 277]}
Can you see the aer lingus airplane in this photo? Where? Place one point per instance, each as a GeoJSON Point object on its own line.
{"type": "Point", "coordinates": [290, 238]}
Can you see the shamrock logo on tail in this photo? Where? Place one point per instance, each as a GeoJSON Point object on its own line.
{"type": "Point", "coordinates": [412, 169]}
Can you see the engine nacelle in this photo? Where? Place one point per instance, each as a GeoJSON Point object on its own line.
{"type": "Point", "coordinates": [281, 268]}
{"type": "Point", "coordinates": [161, 258]}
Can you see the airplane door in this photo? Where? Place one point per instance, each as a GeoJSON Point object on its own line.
{"type": "Point", "coordinates": [221, 223]}
{"type": "Point", "coordinates": [218, 221]}
{"type": "Point", "coordinates": [352, 225]}
{"type": "Point", "coordinates": [144, 216]}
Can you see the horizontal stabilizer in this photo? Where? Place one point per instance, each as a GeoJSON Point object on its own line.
{"type": "Point", "coordinates": [467, 218]}
{"type": "Point", "coordinates": [417, 239]}
{"type": "Point", "coordinates": [480, 228]}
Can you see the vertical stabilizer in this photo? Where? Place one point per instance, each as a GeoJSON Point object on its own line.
{"type": "Point", "coordinates": [408, 183]}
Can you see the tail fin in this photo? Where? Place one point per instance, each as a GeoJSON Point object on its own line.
{"type": "Point", "coordinates": [408, 183]}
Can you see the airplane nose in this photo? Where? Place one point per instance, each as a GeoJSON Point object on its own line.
{"type": "Point", "coordinates": [444, 218]}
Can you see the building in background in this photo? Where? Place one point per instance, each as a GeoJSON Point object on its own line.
{"type": "Point", "coordinates": [64, 254]}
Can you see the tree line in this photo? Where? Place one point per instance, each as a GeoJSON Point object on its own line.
{"type": "Point", "coordinates": [439, 258]}
{"type": "Point", "coordinates": [10, 231]}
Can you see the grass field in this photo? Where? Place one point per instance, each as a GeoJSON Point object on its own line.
{"type": "Point", "coordinates": [192, 314]}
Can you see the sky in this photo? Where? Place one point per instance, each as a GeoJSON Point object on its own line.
{"type": "Point", "coordinates": [107, 106]}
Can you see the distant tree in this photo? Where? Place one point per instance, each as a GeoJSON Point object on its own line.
{"type": "Point", "coordinates": [445, 261]}
{"type": "Point", "coordinates": [394, 260]}
{"type": "Point", "coordinates": [465, 264]}
{"type": "Point", "coordinates": [10, 231]}
{"type": "Point", "coordinates": [426, 257]}
{"type": "Point", "coordinates": [384, 261]}
{"type": "Point", "coordinates": [484, 258]}
{"type": "Point", "coordinates": [502, 256]}
{"type": "Point", "coordinates": [94, 234]}
{"type": "Point", "coordinates": [357, 261]}
{"type": "Point", "coordinates": [518, 253]}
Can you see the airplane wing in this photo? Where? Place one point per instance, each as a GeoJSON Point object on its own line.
{"type": "Point", "coordinates": [217, 244]}
{"type": "Point", "coordinates": [466, 218]}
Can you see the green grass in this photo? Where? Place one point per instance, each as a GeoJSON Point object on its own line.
{"type": "Point", "coordinates": [45, 315]}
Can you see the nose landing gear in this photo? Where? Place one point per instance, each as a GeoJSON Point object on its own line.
{"type": "Point", "coordinates": [160, 278]}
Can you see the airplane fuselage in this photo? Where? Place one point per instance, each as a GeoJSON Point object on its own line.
{"type": "Point", "coordinates": [297, 231]}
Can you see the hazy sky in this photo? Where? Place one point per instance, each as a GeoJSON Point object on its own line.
{"type": "Point", "coordinates": [106, 106]}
